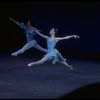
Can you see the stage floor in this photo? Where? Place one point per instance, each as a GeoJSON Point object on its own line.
{"type": "Point", "coordinates": [46, 81]}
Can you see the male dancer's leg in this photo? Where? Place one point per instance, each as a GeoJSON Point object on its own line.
{"type": "Point", "coordinates": [40, 48]}
{"type": "Point", "coordinates": [25, 47]}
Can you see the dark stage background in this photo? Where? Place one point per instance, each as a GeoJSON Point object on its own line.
{"type": "Point", "coordinates": [70, 17]}
{"type": "Point", "coordinates": [48, 80]}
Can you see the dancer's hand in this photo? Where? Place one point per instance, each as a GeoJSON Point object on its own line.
{"type": "Point", "coordinates": [28, 22]}
{"type": "Point", "coordinates": [10, 18]}
{"type": "Point", "coordinates": [76, 36]}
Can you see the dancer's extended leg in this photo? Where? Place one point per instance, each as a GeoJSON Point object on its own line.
{"type": "Point", "coordinates": [26, 47]}
{"type": "Point", "coordinates": [38, 62]}
{"type": "Point", "coordinates": [68, 66]}
{"type": "Point", "coordinates": [40, 48]}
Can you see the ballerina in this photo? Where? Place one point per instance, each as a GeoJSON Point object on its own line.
{"type": "Point", "coordinates": [31, 42]}
{"type": "Point", "coordinates": [53, 54]}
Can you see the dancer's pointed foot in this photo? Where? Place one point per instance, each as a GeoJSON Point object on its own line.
{"type": "Point", "coordinates": [14, 54]}
{"type": "Point", "coordinates": [30, 64]}
{"type": "Point", "coordinates": [70, 67]}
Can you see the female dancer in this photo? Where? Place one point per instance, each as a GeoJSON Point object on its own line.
{"type": "Point", "coordinates": [31, 42]}
{"type": "Point", "coordinates": [53, 54]}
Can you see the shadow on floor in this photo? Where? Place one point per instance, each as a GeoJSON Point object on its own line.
{"type": "Point", "coordinates": [89, 91]}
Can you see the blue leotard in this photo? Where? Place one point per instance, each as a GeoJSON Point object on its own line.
{"type": "Point", "coordinates": [29, 33]}
{"type": "Point", "coordinates": [53, 54]}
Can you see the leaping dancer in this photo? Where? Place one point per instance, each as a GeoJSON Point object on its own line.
{"type": "Point", "coordinates": [53, 54]}
{"type": "Point", "coordinates": [31, 42]}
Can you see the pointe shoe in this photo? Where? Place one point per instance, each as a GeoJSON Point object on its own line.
{"type": "Point", "coordinates": [70, 67]}
{"type": "Point", "coordinates": [29, 65]}
{"type": "Point", "coordinates": [13, 54]}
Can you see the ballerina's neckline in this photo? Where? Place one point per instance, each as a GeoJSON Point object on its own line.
{"type": "Point", "coordinates": [52, 39]}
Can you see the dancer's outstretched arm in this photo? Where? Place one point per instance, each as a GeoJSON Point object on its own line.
{"type": "Point", "coordinates": [37, 31]}
{"type": "Point", "coordinates": [18, 23]}
{"type": "Point", "coordinates": [67, 37]}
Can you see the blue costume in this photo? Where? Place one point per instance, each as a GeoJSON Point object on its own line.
{"type": "Point", "coordinates": [31, 42]}
{"type": "Point", "coordinates": [29, 33]}
{"type": "Point", "coordinates": [53, 54]}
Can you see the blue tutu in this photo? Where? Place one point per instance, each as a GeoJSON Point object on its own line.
{"type": "Point", "coordinates": [53, 54]}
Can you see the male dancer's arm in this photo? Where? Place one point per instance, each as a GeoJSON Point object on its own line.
{"type": "Point", "coordinates": [21, 25]}
{"type": "Point", "coordinates": [16, 22]}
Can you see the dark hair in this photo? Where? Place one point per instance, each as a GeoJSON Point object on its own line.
{"type": "Point", "coordinates": [56, 31]}
{"type": "Point", "coordinates": [31, 22]}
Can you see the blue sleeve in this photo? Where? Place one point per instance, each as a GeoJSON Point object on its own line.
{"type": "Point", "coordinates": [23, 26]}
{"type": "Point", "coordinates": [32, 32]}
